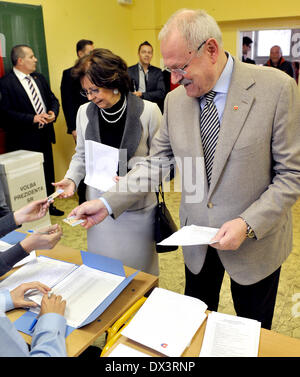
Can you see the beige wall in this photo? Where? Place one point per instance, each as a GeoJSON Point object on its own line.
{"type": "Point", "coordinates": [122, 28]}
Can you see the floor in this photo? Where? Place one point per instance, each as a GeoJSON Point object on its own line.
{"type": "Point", "coordinates": [287, 311]}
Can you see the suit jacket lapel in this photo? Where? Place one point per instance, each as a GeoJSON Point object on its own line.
{"type": "Point", "coordinates": [20, 91]}
{"type": "Point", "coordinates": [238, 104]}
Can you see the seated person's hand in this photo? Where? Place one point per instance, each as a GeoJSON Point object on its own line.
{"type": "Point", "coordinates": [44, 239]}
{"type": "Point", "coordinates": [54, 304]}
{"type": "Point", "coordinates": [31, 212]}
{"type": "Point", "coordinates": [17, 294]}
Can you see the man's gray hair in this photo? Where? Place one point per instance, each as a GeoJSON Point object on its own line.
{"type": "Point", "coordinates": [195, 26]}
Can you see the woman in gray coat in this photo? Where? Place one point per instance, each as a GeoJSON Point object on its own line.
{"type": "Point", "coordinates": [117, 118]}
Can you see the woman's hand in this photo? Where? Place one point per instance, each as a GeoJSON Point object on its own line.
{"type": "Point", "coordinates": [67, 185]}
{"type": "Point", "coordinates": [17, 294]}
{"type": "Point", "coordinates": [33, 211]}
{"type": "Point", "coordinates": [43, 239]}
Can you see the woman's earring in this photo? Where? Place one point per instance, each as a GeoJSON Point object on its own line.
{"type": "Point", "coordinates": [116, 91]}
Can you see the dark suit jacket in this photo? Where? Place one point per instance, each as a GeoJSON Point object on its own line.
{"type": "Point", "coordinates": [71, 99]}
{"type": "Point", "coordinates": [155, 85]}
{"type": "Point", "coordinates": [18, 113]}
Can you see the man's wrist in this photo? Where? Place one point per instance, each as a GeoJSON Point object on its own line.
{"type": "Point", "coordinates": [249, 231]}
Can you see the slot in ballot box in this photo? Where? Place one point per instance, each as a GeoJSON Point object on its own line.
{"type": "Point", "coordinates": [23, 181]}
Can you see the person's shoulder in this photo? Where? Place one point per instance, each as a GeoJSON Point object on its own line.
{"type": "Point", "coordinates": [7, 77]}
{"type": "Point", "coordinates": [155, 69]}
{"type": "Point", "coordinates": [132, 67]}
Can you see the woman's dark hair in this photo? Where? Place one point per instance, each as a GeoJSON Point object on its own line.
{"type": "Point", "coordinates": [104, 69]}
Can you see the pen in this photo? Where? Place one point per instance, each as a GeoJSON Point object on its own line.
{"type": "Point", "coordinates": [33, 324]}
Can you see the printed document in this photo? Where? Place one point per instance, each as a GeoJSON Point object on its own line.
{"type": "Point", "coordinates": [191, 235]}
{"type": "Point", "coordinates": [166, 322]}
{"type": "Point", "coordinates": [45, 270]}
{"type": "Point", "coordinates": [101, 165]}
{"type": "Point", "coordinates": [83, 288]}
{"type": "Point", "coordinates": [230, 336]}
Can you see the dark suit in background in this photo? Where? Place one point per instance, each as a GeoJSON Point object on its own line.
{"type": "Point", "coordinates": [155, 85]}
{"type": "Point", "coordinates": [18, 113]}
{"type": "Point", "coordinates": [71, 99]}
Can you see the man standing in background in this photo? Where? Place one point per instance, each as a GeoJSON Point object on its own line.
{"type": "Point", "coordinates": [247, 42]}
{"type": "Point", "coordinates": [29, 109]}
{"type": "Point", "coordinates": [71, 99]}
{"type": "Point", "coordinates": [147, 80]}
{"type": "Point", "coordinates": [277, 61]}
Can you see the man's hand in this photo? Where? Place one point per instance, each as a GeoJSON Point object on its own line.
{"type": "Point", "coordinates": [17, 294]}
{"type": "Point", "coordinates": [51, 117]}
{"type": "Point", "coordinates": [93, 212]}
{"type": "Point", "coordinates": [54, 304]}
{"type": "Point", "coordinates": [31, 212]}
{"type": "Point", "coordinates": [74, 134]}
{"type": "Point", "coordinates": [231, 235]}
{"type": "Point", "coordinates": [138, 94]}
{"type": "Point", "coordinates": [44, 239]}
{"type": "Point", "coordinates": [41, 118]}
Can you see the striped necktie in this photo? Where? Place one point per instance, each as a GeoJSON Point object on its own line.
{"type": "Point", "coordinates": [38, 106]}
{"type": "Point", "coordinates": [209, 128]}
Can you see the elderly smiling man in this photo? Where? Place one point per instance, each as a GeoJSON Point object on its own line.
{"type": "Point", "coordinates": [244, 122]}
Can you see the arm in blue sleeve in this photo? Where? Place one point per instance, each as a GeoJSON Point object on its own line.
{"type": "Point", "coordinates": [49, 336]}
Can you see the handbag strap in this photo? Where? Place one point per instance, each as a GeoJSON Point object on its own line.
{"type": "Point", "coordinates": [160, 192]}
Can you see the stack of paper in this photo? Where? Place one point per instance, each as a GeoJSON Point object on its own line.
{"type": "Point", "coordinates": [166, 322]}
{"type": "Point", "coordinates": [230, 336]}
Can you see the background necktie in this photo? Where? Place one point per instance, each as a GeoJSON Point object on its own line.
{"type": "Point", "coordinates": [36, 100]}
{"type": "Point", "coordinates": [209, 128]}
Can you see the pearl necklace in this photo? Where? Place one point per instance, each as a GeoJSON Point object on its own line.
{"type": "Point", "coordinates": [122, 109]}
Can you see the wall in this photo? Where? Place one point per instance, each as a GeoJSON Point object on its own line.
{"type": "Point", "coordinates": [122, 28]}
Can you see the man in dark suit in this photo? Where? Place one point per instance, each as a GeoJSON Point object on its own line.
{"type": "Point", "coordinates": [29, 109]}
{"type": "Point", "coordinates": [71, 99]}
{"type": "Point", "coordinates": [147, 80]}
{"type": "Point", "coordinates": [247, 42]}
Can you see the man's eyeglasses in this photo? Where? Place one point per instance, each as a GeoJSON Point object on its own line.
{"type": "Point", "coordinates": [90, 92]}
{"type": "Point", "coordinates": [182, 71]}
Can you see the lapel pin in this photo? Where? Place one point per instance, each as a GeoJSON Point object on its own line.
{"type": "Point", "coordinates": [235, 107]}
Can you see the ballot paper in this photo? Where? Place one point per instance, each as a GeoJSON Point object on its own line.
{"type": "Point", "coordinates": [121, 350]}
{"type": "Point", "coordinates": [230, 336]}
{"type": "Point", "coordinates": [166, 322]}
{"type": "Point", "coordinates": [191, 235]}
{"type": "Point", "coordinates": [101, 165]}
{"type": "Point", "coordinates": [5, 246]}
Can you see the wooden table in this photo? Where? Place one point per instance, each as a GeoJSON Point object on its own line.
{"type": "Point", "coordinates": [271, 344]}
{"type": "Point", "coordinates": [81, 338]}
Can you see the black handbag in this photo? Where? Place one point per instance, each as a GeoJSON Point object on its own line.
{"type": "Point", "coordinates": [164, 225]}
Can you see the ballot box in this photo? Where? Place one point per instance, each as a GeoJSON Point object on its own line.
{"type": "Point", "coordinates": [23, 181]}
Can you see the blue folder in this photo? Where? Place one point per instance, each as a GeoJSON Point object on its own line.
{"type": "Point", "coordinates": [98, 262]}
{"type": "Point", "coordinates": [13, 237]}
